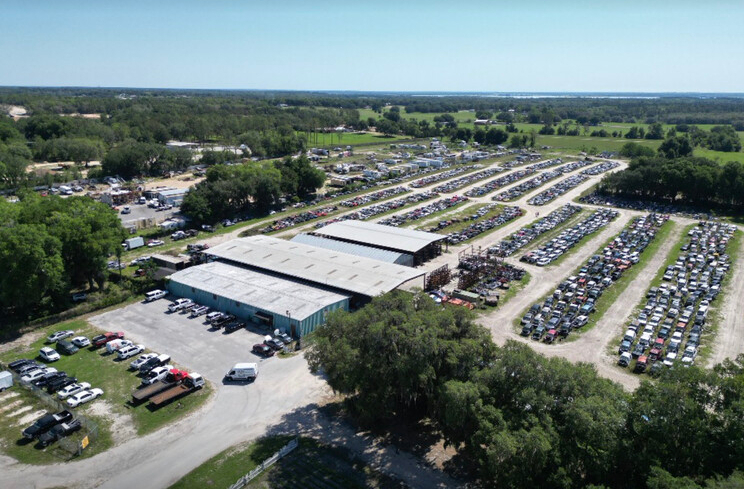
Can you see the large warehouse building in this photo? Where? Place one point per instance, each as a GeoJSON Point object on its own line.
{"type": "Point", "coordinates": [419, 245]}
{"type": "Point", "coordinates": [287, 285]}
{"type": "Point", "coordinates": [291, 306]}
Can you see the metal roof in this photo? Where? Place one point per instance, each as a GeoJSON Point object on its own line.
{"type": "Point", "coordinates": [260, 290]}
{"type": "Point", "coordinates": [340, 270]}
{"type": "Point", "coordinates": [407, 240]}
{"type": "Point", "coordinates": [173, 191]}
{"type": "Point", "coordinates": [350, 248]}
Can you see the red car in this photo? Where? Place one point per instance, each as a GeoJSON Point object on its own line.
{"type": "Point", "coordinates": [104, 338]}
{"type": "Point", "coordinates": [263, 350]}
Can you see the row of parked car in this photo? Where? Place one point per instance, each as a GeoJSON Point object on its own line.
{"type": "Point", "coordinates": [570, 305]}
{"type": "Point", "coordinates": [458, 183]}
{"type": "Point", "coordinates": [445, 175]}
{"type": "Point", "coordinates": [524, 187]}
{"type": "Point", "coordinates": [424, 211]}
{"type": "Point", "coordinates": [555, 191]}
{"type": "Point", "coordinates": [218, 320]}
{"type": "Point", "coordinates": [528, 234]}
{"type": "Point", "coordinates": [55, 382]}
{"type": "Point", "coordinates": [501, 181]}
{"type": "Point", "coordinates": [381, 208]}
{"type": "Point", "coordinates": [669, 326]}
{"type": "Point", "coordinates": [374, 196]}
{"type": "Point", "coordinates": [601, 168]}
{"type": "Point", "coordinates": [643, 205]}
{"type": "Point", "coordinates": [568, 238]}
{"type": "Point", "coordinates": [300, 218]}
{"type": "Point", "coordinates": [478, 227]}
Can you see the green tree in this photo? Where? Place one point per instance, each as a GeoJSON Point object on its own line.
{"type": "Point", "coordinates": [31, 268]}
{"type": "Point", "coordinates": [391, 357]}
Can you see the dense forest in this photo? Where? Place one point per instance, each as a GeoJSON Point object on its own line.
{"type": "Point", "coordinates": [525, 420]}
{"type": "Point", "coordinates": [50, 246]}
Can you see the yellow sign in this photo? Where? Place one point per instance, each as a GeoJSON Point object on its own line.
{"type": "Point", "coordinates": [84, 443]}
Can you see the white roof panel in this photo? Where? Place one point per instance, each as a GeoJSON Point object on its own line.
{"type": "Point", "coordinates": [350, 248]}
{"type": "Point", "coordinates": [261, 290]}
{"type": "Point", "coordinates": [352, 273]}
{"type": "Point", "coordinates": [408, 240]}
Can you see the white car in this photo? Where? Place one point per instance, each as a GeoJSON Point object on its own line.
{"type": "Point", "coordinates": [38, 373]}
{"type": "Point", "coordinates": [154, 295]}
{"type": "Point", "coordinates": [59, 335]}
{"type": "Point", "coordinates": [180, 304]}
{"type": "Point", "coordinates": [155, 242]}
{"type": "Point", "coordinates": [670, 358]}
{"type": "Point", "coordinates": [135, 365]}
{"type": "Point", "coordinates": [158, 373]}
{"type": "Point", "coordinates": [73, 389]}
{"type": "Point", "coordinates": [84, 396]}
{"type": "Point", "coordinates": [48, 354]}
{"type": "Point", "coordinates": [130, 351]}
{"type": "Point", "coordinates": [117, 345]}
{"type": "Point", "coordinates": [81, 341]}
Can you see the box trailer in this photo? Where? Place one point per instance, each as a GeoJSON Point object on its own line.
{"type": "Point", "coordinates": [132, 243]}
{"type": "Point", "coordinates": [6, 380]}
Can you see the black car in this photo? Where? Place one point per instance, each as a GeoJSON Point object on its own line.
{"type": "Point", "coordinates": [60, 383]}
{"type": "Point", "coordinates": [59, 431]}
{"type": "Point", "coordinates": [45, 423]}
{"type": "Point", "coordinates": [46, 379]}
{"type": "Point", "coordinates": [66, 347]}
{"type": "Point", "coordinates": [28, 367]}
{"type": "Point", "coordinates": [234, 326]}
{"type": "Point", "coordinates": [19, 364]}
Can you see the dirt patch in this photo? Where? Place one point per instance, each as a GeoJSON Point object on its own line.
{"type": "Point", "coordinates": [10, 406]}
{"type": "Point", "coordinates": [19, 412]}
{"type": "Point", "coordinates": [123, 429]}
{"type": "Point", "coordinates": [22, 342]}
{"type": "Point", "coordinates": [29, 418]}
{"type": "Point", "coordinates": [8, 395]}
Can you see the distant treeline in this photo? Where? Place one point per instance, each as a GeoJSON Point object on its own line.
{"type": "Point", "coordinates": [685, 180]}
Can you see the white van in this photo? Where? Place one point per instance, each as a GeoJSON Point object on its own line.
{"type": "Point", "coordinates": [154, 295]}
{"type": "Point", "coordinates": [243, 371]}
{"type": "Point", "coordinates": [116, 345]}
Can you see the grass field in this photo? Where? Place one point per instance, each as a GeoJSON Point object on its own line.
{"type": "Point", "coordinates": [310, 465]}
{"type": "Point", "coordinates": [111, 375]}
{"type": "Point", "coordinates": [333, 139]}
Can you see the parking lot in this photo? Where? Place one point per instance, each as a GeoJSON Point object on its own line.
{"type": "Point", "coordinates": [191, 341]}
{"type": "Point", "coordinates": [142, 211]}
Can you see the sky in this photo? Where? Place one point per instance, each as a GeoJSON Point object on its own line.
{"type": "Point", "coordinates": [377, 45]}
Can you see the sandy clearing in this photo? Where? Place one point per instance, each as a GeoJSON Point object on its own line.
{"type": "Point", "coordinates": [8, 395]}
{"type": "Point", "coordinates": [19, 411]}
{"type": "Point", "coordinates": [29, 418]}
{"type": "Point", "coordinates": [730, 339]}
{"type": "Point", "coordinates": [11, 406]}
{"type": "Point", "coordinates": [123, 429]}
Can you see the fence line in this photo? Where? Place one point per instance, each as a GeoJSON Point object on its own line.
{"type": "Point", "coordinates": [243, 481]}
{"type": "Point", "coordinates": [55, 404]}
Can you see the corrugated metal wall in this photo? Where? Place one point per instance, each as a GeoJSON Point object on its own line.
{"type": "Point", "coordinates": [247, 311]}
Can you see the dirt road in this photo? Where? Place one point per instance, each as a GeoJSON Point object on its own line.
{"type": "Point", "coordinates": [730, 340]}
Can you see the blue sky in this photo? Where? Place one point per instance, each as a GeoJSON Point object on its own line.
{"type": "Point", "coordinates": [407, 45]}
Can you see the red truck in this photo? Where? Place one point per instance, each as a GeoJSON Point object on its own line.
{"type": "Point", "coordinates": [173, 378]}
{"type": "Point", "coordinates": [192, 382]}
{"type": "Point", "coordinates": [104, 338]}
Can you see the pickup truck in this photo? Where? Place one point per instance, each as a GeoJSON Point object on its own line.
{"type": "Point", "coordinates": [104, 338]}
{"type": "Point", "coordinates": [45, 423]}
{"type": "Point", "coordinates": [191, 383]}
{"type": "Point", "coordinates": [173, 378]}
